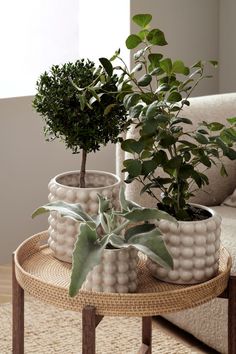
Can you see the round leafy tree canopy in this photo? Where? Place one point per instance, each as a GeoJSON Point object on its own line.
{"type": "Point", "coordinates": [83, 119]}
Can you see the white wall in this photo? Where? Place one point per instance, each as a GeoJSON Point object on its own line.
{"type": "Point", "coordinates": [191, 30]}
{"type": "Point", "coordinates": [227, 42]}
{"type": "Point", "coordinates": [27, 164]}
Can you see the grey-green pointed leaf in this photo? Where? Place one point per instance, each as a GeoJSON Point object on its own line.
{"type": "Point", "coordinates": [146, 214]}
{"type": "Point", "coordinates": [138, 229]}
{"type": "Point", "coordinates": [87, 254]}
{"type": "Point", "coordinates": [72, 211]}
{"type": "Point", "coordinates": [152, 245]}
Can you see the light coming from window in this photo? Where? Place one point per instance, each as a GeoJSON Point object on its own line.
{"type": "Point", "coordinates": [36, 34]}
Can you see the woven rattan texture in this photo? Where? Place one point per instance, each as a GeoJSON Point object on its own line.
{"type": "Point", "coordinates": [47, 279]}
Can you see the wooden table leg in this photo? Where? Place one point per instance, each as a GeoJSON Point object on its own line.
{"type": "Point", "coordinates": [146, 347]}
{"type": "Point", "coordinates": [232, 315]}
{"type": "Point", "coordinates": [17, 314]}
{"type": "Point", "coordinates": [89, 322]}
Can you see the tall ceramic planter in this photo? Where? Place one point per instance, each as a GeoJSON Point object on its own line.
{"type": "Point", "coordinates": [63, 231]}
{"type": "Point", "coordinates": [116, 273]}
{"type": "Point", "coordinates": [194, 246]}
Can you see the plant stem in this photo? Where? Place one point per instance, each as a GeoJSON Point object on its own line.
{"type": "Point", "coordinates": [121, 227]}
{"type": "Point", "coordinates": [82, 170]}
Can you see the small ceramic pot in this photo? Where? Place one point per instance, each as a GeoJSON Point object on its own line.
{"type": "Point", "coordinates": [194, 246]}
{"type": "Point", "coordinates": [117, 272]}
{"type": "Point", "coordinates": [63, 231]}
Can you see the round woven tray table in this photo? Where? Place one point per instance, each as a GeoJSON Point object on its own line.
{"type": "Point", "coordinates": [46, 278]}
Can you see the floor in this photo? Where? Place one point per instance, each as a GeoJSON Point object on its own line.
{"type": "Point", "coordinates": [196, 346]}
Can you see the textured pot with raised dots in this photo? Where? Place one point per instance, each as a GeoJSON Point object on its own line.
{"type": "Point", "coordinates": [116, 273]}
{"type": "Point", "coordinates": [63, 231]}
{"type": "Point", "coordinates": [194, 246]}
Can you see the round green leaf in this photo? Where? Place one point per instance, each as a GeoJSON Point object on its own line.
{"type": "Point", "coordinates": [156, 37]}
{"type": "Point", "coordinates": [145, 80]}
{"type": "Point", "coordinates": [174, 97]}
{"type": "Point", "coordinates": [107, 65]}
{"type": "Point", "coordinates": [133, 167]}
{"type": "Point", "coordinates": [142, 20]}
{"type": "Point", "coordinates": [133, 41]}
{"type": "Point", "coordinates": [166, 65]}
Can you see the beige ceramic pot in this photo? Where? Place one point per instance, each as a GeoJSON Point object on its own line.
{"type": "Point", "coordinates": [117, 272]}
{"type": "Point", "coordinates": [63, 231]}
{"type": "Point", "coordinates": [194, 246]}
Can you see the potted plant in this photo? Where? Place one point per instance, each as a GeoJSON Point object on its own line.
{"type": "Point", "coordinates": [168, 157]}
{"type": "Point", "coordinates": [106, 252]}
{"type": "Point", "coordinates": [78, 103]}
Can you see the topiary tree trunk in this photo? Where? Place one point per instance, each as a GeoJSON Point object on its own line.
{"type": "Point", "coordinates": [82, 170]}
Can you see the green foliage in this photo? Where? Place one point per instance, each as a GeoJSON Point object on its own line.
{"type": "Point", "coordinates": [116, 233]}
{"type": "Point", "coordinates": [169, 157]}
{"type": "Point", "coordinates": [79, 105]}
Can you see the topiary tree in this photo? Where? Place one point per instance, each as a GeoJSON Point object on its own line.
{"type": "Point", "coordinates": [79, 105]}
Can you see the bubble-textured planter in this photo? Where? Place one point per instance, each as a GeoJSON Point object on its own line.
{"type": "Point", "coordinates": [194, 246]}
{"type": "Point", "coordinates": [63, 231]}
{"type": "Point", "coordinates": [117, 272]}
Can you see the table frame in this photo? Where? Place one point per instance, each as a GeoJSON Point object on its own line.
{"type": "Point", "coordinates": [90, 321]}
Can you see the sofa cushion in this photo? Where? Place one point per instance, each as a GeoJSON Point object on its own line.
{"type": "Point", "coordinates": [231, 200]}
{"type": "Point", "coordinates": [208, 108]}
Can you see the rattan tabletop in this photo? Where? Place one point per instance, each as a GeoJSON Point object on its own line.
{"type": "Point", "coordinates": [47, 279]}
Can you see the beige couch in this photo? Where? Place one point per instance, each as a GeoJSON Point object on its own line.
{"type": "Point", "coordinates": [207, 322]}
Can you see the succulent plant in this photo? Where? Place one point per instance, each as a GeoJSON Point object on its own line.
{"type": "Point", "coordinates": [132, 225]}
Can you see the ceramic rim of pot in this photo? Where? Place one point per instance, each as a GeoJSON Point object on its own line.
{"type": "Point", "coordinates": [109, 174]}
{"type": "Point", "coordinates": [200, 206]}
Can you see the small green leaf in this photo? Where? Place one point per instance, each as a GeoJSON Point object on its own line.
{"type": "Point", "coordinates": [201, 138]}
{"type": "Point", "coordinates": [179, 68]}
{"type": "Point", "coordinates": [138, 54]}
{"type": "Point", "coordinates": [145, 80]}
{"type": "Point", "coordinates": [142, 20]}
{"type": "Point", "coordinates": [148, 166]}
{"type": "Point", "coordinates": [82, 101]}
{"type": "Point", "coordinates": [223, 171]}
{"type": "Point", "coordinates": [174, 97]}
{"type": "Point", "coordinates": [131, 100]}
{"type": "Point", "coordinates": [133, 146]}
{"type": "Point", "coordinates": [154, 59]}
{"type": "Point", "coordinates": [143, 34]}
{"type": "Point", "coordinates": [133, 41]}
{"type": "Point", "coordinates": [156, 37]}
{"type": "Point", "coordinates": [166, 65]}
{"type": "Point", "coordinates": [214, 63]}
{"type": "Point", "coordinates": [232, 120]}
{"type": "Point", "coordinates": [215, 126]}
{"type": "Point", "coordinates": [174, 162]}
{"type": "Point", "coordinates": [137, 67]}
{"type": "Point", "coordinates": [107, 65]}
{"type": "Point", "coordinates": [133, 167]}
{"type": "Point", "coordinates": [181, 120]}
{"type": "Point", "coordinates": [231, 154]}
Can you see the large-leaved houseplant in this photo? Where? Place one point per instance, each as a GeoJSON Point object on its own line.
{"type": "Point", "coordinates": [168, 156]}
